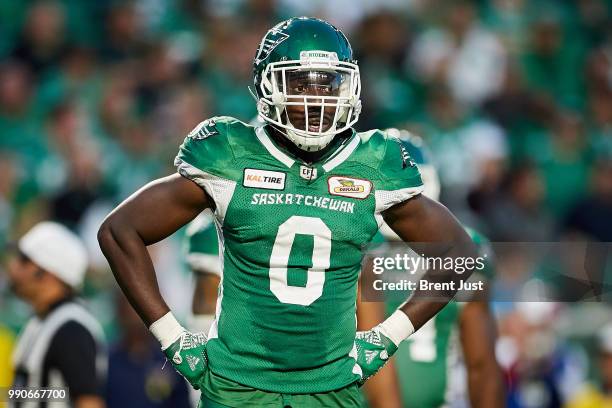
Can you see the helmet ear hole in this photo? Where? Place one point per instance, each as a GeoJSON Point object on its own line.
{"type": "Point", "coordinates": [263, 108]}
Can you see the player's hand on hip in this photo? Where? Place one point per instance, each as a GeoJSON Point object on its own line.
{"type": "Point", "coordinates": [188, 356]}
{"type": "Point", "coordinates": [374, 347]}
{"type": "Point", "coordinates": [373, 351]}
{"type": "Point", "coordinates": [185, 350]}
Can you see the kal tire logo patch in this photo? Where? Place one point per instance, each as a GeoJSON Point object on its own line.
{"type": "Point", "coordinates": [271, 180]}
{"type": "Point", "coordinates": [349, 187]}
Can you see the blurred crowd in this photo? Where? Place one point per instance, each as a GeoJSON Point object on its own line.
{"type": "Point", "coordinates": [513, 97]}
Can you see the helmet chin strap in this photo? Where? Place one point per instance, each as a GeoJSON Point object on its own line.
{"type": "Point", "coordinates": [301, 140]}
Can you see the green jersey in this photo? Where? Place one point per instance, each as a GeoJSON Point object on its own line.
{"type": "Point", "coordinates": [291, 238]}
{"type": "Point", "coordinates": [433, 351]}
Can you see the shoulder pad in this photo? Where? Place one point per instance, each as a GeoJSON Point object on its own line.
{"type": "Point", "coordinates": [208, 148]}
{"type": "Point", "coordinates": [205, 129]}
{"type": "Point", "coordinates": [396, 177]}
{"type": "Point", "coordinates": [397, 169]}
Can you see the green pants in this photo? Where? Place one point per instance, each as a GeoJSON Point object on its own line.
{"type": "Point", "coordinates": [219, 392]}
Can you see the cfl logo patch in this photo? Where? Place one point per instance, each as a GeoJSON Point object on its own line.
{"type": "Point", "coordinates": [308, 173]}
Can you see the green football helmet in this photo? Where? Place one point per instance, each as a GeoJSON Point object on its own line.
{"type": "Point", "coordinates": [306, 65]}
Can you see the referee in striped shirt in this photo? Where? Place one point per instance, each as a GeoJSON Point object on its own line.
{"type": "Point", "coordinates": [62, 345]}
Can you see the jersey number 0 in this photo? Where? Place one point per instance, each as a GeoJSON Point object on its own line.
{"type": "Point", "coordinates": [279, 260]}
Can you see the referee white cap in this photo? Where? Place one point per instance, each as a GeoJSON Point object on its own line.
{"type": "Point", "coordinates": [57, 250]}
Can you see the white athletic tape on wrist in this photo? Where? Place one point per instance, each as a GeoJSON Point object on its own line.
{"type": "Point", "coordinates": [167, 330]}
{"type": "Point", "coordinates": [200, 322]}
{"type": "Point", "coordinates": [397, 327]}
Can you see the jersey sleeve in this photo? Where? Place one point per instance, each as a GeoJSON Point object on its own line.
{"type": "Point", "coordinates": [398, 176]}
{"type": "Point", "coordinates": [206, 149]}
{"type": "Point", "coordinates": [202, 246]}
{"type": "Point", "coordinates": [206, 157]}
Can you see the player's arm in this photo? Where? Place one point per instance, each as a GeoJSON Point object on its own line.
{"type": "Point", "coordinates": [148, 216]}
{"type": "Point", "coordinates": [478, 334]}
{"type": "Point", "coordinates": [431, 230]}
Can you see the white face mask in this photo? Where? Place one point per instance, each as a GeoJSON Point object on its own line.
{"type": "Point", "coordinates": [313, 98]}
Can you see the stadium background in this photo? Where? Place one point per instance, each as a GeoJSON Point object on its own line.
{"type": "Point", "coordinates": [513, 97]}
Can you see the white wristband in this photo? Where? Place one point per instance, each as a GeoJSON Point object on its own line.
{"type": "Point", "coordinates": [167, 330]}
{"type": "Point", "coordinates": [200, 322]}
{"type": "Point", "coordinates": [397, 327]}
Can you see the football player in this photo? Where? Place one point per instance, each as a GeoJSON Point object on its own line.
{"type": "Point", "coordinates": [433, 351]}
{"type": "Point", "coordinates": [294, 201]}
